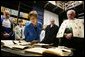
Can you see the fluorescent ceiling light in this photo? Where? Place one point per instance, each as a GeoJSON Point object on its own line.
{"type": "Point", "coordinates": [53, 2]}
{"type": "Point", "coordinates": [80, 1]}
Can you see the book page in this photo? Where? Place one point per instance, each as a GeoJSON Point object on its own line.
{"type": "Point", "coordinates": [58, 51]}
{"type": "Point", "coordinates": [38, 50]}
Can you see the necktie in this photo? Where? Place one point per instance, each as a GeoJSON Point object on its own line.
{"type": "Point", "coordinates": [21, 33]}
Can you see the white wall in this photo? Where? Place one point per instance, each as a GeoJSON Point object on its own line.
{"type": "Point", "coordinates": [48, 16]}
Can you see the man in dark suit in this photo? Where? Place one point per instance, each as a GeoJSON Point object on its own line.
{"type": "Point", "coordinates": [50, 33]}
{"type": "Point", "coordinates": [6, 28]}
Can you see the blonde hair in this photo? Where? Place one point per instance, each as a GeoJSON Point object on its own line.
{"type": "Point", "coordinates": [33, 13]}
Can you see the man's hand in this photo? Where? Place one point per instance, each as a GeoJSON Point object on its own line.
{"type": "Point", "coordinates": [68, 36]}
{"type": "Point", "coordinates": [6, 35]}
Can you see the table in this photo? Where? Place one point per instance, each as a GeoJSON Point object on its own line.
{"type": "Point", "coordinates": [11, 52]}
{"type": "Point", "coordinates": [17, 52]}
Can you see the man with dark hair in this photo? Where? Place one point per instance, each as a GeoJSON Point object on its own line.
{"type": "Point", "coordinates": [19, 30]}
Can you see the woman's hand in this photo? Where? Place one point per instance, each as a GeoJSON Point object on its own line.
{"type": "Point", "coordinates": [34, 42]}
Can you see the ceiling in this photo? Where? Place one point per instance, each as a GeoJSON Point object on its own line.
{"type": "Point", "coordinates": [26, 6]}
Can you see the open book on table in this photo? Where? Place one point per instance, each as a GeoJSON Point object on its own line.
{"type": "Point", "coordinates": [54, 51]}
